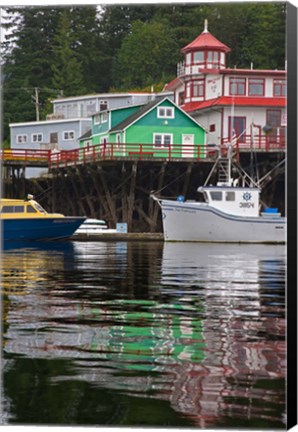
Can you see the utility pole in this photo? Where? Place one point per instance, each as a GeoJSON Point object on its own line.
{"type": "Point", "coordinates": [36, 101]}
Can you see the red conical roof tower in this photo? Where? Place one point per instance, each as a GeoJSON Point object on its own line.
{"type": "Point", "coordinates": [205, 41]}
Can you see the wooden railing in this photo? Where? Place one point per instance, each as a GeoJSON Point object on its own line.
{"type": "Point", "coordinates": [112, 151]}
{"type": "Point", "coordinates": [25, 155]}
{"type": "Point", "coordinates": [257, 142]}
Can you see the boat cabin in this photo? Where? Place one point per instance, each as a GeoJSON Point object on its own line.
{"type": "Point", "coordinates": [232, 200]}
{"type": "Point", "coordinates": [18, 208]}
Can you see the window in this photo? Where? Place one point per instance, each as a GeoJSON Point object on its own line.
{"type": "Point", "coordinates": [12, 209]}
{"type": "Point", "coordinates": [237, 86]}
{"type": "Point", "coordinates": [103, 105]}
{"type": "Point", "coordinates": [198, 88]}
{"type": "Point", "coordinates": [22, 139]}
{"type": "Point", "coordinates": [100, 118]}
{"type": "Point", "coordinates": [213, 59]}
{"type": "Point", "coordinates": [165, 112]}
{"type": "Point", "coordinates": [162, 140]}
{"type": "Point", "coordinates": [256, 87]}
{"type": "Point", "coordinates": [31, 209]}
{"type": "Point", "coordinates": [187, 90]}
{"type": "Point", "coordinates": [91, 108]}
{"type": "Point", "coordinates": [212, 128]}
{"type": "Point", "coordinates": [279, 88]}
{"type": "Point", "coordinates": [230, 196]}
{"type": "Point", "coordinates": [97, 119]}
{"type": "Point", "coordinates": [104, 117]}
{"type": "Point", "coordinates": [68, 135]}
{"type": "Point", "coordinates": [274, 117]}
{"type": "Point", "coordinates": [37, 137]}
{"type": "Point", "coordinates": [216, 196]}
{"type": "Point", "coordinates": [181, 98]}
{"type": "Point", "coordinates": [40, 208]}
{"type": "Point", "coordinates": [198, 57]}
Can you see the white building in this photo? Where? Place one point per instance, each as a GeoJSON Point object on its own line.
{"type": "Point", "coordinates": [246, 103]}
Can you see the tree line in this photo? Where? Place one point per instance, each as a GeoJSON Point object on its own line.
{"type": "Point", "coordinates": [76, 50]}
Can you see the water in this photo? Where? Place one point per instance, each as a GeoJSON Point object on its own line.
{"type": "Point", "coordinates": [144, 334]}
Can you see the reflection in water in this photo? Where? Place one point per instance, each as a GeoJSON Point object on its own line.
{"type": "Point", "coordinates": [144, 334]}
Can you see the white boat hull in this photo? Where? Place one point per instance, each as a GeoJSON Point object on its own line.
{"type": "Point", "coordinates": [199, 222]}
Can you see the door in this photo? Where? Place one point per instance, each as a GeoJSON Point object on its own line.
{"type": "Point", "coordinates": [187, 145]}
{"type": "Point", "coordinates": [237, 127]}
{"type": "Point", "coordinates": [273, 121]}
{"type": "Point", "coordinates": [54, 140]}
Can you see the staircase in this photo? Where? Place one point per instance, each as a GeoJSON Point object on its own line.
{"type": "Point", "coordinates": [224, 171]}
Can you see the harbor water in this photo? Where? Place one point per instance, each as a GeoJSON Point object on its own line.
{"type": "Point", "coordinates": [144, 334]}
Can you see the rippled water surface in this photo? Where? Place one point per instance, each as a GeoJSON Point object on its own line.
{"type": "Point", "coordinates": [144, 334]}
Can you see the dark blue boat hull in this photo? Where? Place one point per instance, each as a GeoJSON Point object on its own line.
{"type": "Point", "coordinates": [39, 228]}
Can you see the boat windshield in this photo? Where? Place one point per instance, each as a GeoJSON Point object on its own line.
{"type": "Point", "coordinates": [39, 208]}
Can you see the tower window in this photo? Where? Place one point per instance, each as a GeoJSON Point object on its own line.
{"type": "Point", "coordinates": [198, 57]}
{"type": "Point", "coordinates": [213, 59]}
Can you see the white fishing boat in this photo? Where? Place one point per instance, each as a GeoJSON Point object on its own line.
{"type": "Point", "coordinates": [94, 226]}
{"type": "Point", "coordinates": [229, 212]}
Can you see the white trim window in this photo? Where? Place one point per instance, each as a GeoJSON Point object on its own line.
{"type": "Point", "coordinates": [100, 118]}
{"type": "Point", "coordinates": [104, 117]}
{"type": "Point", "coordinates": [37, 137]}
{"type": "Point", "coordinates": [22, 139]}
{"type": "Point", "coordinates": [162, 140]}
{"type": "Point", "coordinates": [68, 135]}
{"type": "Point", "coordinates": [96, 119]}
{"type": "Point", "coordinates": [165, 112]}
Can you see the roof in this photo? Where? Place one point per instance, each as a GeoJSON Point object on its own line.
{"type": "Point", "coordinates": [144, 110]}
{"type": "Point", "coordinates": [136, 115]}
{"type": "Point", "coordinates": [205, 41]}
{"type": "Point", "coordinates": [176, 82]}
{"type": "Point", "coordinates": [86, 135]}
{"type": "Point", "coordinates": [99, 96]}
{"type": "Point", "coordinates": [49, 122]}
{"type": "Point", "coordinates": [237, 101]}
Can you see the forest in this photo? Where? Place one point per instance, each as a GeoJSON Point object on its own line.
{"type": "Point", "coordinates": [75, 50]}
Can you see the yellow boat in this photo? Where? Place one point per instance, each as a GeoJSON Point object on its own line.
{"type": "Point", "coordinates": [27, 220]}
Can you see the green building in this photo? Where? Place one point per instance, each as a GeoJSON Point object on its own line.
{"type": "Point", "coordinates": [158, 129]}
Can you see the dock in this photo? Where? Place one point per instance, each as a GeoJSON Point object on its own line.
{"type": "Point", "coordinates": [145, 236]}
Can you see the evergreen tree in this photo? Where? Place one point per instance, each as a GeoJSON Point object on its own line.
{"type": "Point", "coordinates": [147, 55]}
{"type": "Point", "coordinates": [88, 45]}
{"type": "Point", "coordinates": [67, 70]}
{"type": "Point", "coordinates": [27, 57]}
{"type": "Point", "coordinates": [93, 49]}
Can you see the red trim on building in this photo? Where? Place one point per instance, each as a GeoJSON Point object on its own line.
{"type": "Point", "coordinates": [237, 101]}
{"type": "Point", "coordinates": [269, 72]}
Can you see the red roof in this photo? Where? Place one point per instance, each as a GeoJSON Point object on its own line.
{"type": "Point", "coordinates": [237, 101]}
{"type": "Point", "coordinates": [173, 84]}
{"type": "Point", "coordinates": [206, 41]}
